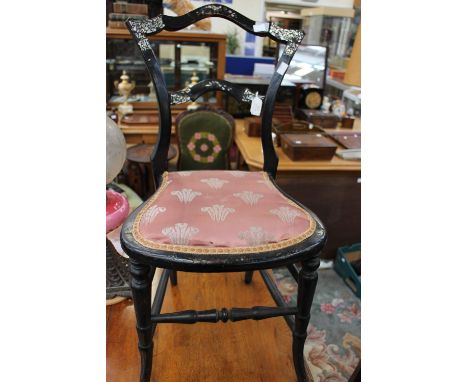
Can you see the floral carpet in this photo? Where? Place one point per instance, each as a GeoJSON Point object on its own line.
{"type": "Point", "coordinates": [333, 345]}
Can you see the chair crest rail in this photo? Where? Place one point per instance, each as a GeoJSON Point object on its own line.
{"type": "Point", "coordinates": [144, 28]}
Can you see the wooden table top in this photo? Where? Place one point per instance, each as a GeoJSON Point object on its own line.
{"type": "Point", "coordinates": [251, 150]}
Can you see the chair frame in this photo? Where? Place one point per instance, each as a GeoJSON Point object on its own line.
{"type": "Point", "coordinates": [143, 261]}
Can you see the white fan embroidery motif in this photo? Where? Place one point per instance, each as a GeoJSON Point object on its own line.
{"type": "Point", "coordinates": [180, 233]}
{"type": "Point", "coordinates": [214, 182]}
{"type": "Point", "coordinates": [237, 174]}
{"type": "Point", "coordinates": [151, 213]}
{"type": "Point", "coordinates": [217, 212]}
{"type": "Point", "coordinates": [248, 197]}
{"type": "Point", "coordinates": [186, 195]}
{"type": "Point", "coordinates": [286, 214]}
{"type": "Point", "coordinates": [256, 236]}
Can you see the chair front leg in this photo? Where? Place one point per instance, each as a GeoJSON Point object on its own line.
{"type": "Point", "coordinates": [306, 289]}
{"type": "Point", "coordinates": [141, 290]}
{"type": "Point", "coordinates": [173, 277]}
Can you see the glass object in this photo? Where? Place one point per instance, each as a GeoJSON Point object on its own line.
{"type": "Point", "coordinates": [308, 65]}
{"type": "Point", "coordinates": [332, 27]}
{"type": "Point", "coordinates": [116, 150]}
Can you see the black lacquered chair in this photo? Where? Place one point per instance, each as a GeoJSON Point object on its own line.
{"type": "Point", "coordinates": [216, 220]}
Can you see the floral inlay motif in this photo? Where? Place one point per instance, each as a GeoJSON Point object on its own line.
{"type": "Point", "coordinates": [218, 212]}
{"type": "Point", "coordinates": [186, 195]}
{"type": "Point", "coordinates": [248, 197]}
{"type": "Point", "coordinates": [204, 147]}
{"type": "Point", "coordinates": [286, 214]}
{"type": "Point", "coordinates": [180, 233]}
{"type": "Point", "coordinates": [256, 236]}
{"type": "Point", "coordinates": [215, 183]}
{"type": "Point", "coordinates": [151, 213]}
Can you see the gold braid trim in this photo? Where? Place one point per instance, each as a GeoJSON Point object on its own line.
{"type": "Point", "coordinates": [219, 250]}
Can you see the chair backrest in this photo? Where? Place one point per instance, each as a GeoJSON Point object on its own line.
{"type": "Point", "coordinates": [141, 29]}
{"type": "Point", "coordinates": [204, 137]}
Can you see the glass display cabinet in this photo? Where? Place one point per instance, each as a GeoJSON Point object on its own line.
{"type": "Point", "coordinates": [181, 55]}
{"type": "Point", "coordinates": [331, 27]}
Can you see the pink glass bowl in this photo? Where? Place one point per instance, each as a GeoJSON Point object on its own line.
{"type": "Point", "coordinates": [117, 209]}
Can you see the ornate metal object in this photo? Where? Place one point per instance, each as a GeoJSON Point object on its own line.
{"type": "Point", "coordinates": [124, 86]}
{"type": "Point", "coordinates": [117, 274]}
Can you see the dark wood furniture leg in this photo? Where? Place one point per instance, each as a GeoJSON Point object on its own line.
{"type": "Point", "coordinates": [307, 283]}
{"type": "Point", "coordinates": [173, 277]}
{"type": "Point", "coordinates": [141, 290]}
{"type": "Point", "coordinates": [248, 277]}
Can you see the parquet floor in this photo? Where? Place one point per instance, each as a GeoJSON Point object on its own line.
{"type": "Point", "coordinates": [231, 352]}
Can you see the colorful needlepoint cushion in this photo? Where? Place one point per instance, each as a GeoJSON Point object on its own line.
{"type": "Point", "coordinates": [204, 137]}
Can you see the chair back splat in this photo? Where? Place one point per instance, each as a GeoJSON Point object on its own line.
{"type": "Point", "coordinates": [141, 29]}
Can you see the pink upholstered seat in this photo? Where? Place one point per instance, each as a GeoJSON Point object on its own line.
{"type": "Point", "coordinates": [220, 212]}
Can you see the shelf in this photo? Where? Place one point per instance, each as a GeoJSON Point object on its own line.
{"type": "Point", "coordinates": [198, 36]}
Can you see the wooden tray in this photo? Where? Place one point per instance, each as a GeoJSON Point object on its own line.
{"type": "Point", "coordinates": [346, 139]}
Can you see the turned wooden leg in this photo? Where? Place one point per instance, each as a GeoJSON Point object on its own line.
{"type": "Point", "coordinates": [141, 290]}
{"type": "Point", "coordinates": [173, 277]}
{"type": "Point", "coordinates": [248, 277]}
{"type": "Point", "coordinates": [305, 294]}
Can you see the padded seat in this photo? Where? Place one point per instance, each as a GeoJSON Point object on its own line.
{"type": "Point", "coordinates": [220, 212]}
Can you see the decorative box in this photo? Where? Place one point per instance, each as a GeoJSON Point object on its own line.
{"type": "Point", "coordinates": [308, 147]}
{"type": "Point", "coordinates": [348, 265]}
{"type": "Point", "coordinates": [253, 126]}
{"type": "Point", "coordinates": [282, 113]}
{"type": "Point", "coordinates": [297, 127]}
{"type": "Point", "coordinates": [347, 140]}
{"type": "Point", "coordinates": [347, 122]}
{"type": "Point", "coordinates": [319, 118]}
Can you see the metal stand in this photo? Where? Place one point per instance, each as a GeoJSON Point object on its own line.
{"type": "Point", "coordinates": [117, 274]}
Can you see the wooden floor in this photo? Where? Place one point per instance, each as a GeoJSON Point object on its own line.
{"type": "Point", "coordinates": [246, 351]}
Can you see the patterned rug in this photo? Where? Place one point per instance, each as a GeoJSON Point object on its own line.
{"type": "Point", "coordinates": [333, 345]}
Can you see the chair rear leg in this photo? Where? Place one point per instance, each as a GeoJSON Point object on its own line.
{"type": "Point", "coordinates": [306, 289]}
{"type": "Point", "coordinates": [248, 277]}
{"type": "Point", "coordinates": [173, 277]}
{"type": "Point", "coordinates": [141, 291]}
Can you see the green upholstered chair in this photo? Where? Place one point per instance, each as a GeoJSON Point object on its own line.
{"type": "Point", "coordinates": [204, 137]}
